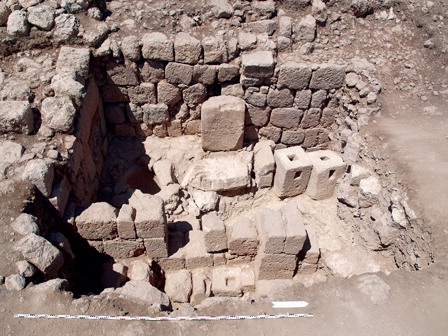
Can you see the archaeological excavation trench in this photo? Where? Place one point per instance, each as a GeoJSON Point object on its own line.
{"type": "Point", "coordinates": [186, 169]}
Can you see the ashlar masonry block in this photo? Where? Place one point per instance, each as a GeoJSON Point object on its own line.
{"type": "Point", "coordinates": [215, 233]}
{"type": "Point", "coordinates": [243, 237]}
{"type": "Point", "coordinates": [275, 266]}
{"type": "Point", "coordinates": [227, 281]}
{"type": "Point", "coordinates": [328, 167]}
{"type": "Point", "coordinates": [271, 231]}
{"type": "Point", "coordinates": [294, 227]}
{"type": "Point", "coordinates": [258, 64]}
{"type": "Point", "coordinates": [293, 171]}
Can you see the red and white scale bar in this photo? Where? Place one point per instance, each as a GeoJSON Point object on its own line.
{"type": "Point", "coordinates": [162, 318]}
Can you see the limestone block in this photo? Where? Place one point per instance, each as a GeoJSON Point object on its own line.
{"type": "Point", "coordinates": [195, 94]}
{"type": "Point", "coordinates": [311, 251]}
{"type": "Point", "coordinates": [195, 252]}
{"type": "Point", "coordinates": [328, 167]}
{"type": "Point", "coordinates": [10, 152]}
{"type": "Point", "coordinates": [157, 46]}
{"type": "Point", "coordinates": [121, 249]}
{"type": "Point", "coordinates": [294, 75]}
{"type": "Point", "coordinates": [15, 282]}
{"type": "Point", "coordinates": [263, 27]}
{"type": "Point", "coordinates": [187, 49]}
{"type": "Point", "coordinates": [306, 29]}
{"type": "Point", "coordinates": [227, 281]}
{"type": "Point", "coordinates": [218, 174]}
{"type": "Point", "coordinates": [294, 227]}
{"type": "Point", "coordinates": [121, 75]}
{"type": "Point", "coordinates": [155, 113]}
{"type": "Point", "coordinates": [243, 238]}
{"type": "Point", "coordinates": [114, 94]}
{"type": "Point", "coordinates": [150, 220]}
{"type": "Point", "coordinates": [230, 89]}
{"type": "Point", "coordinates": [131, 48]}
{"type": "Point", "coordinates": [98, 221]}
{"type": "Point", "coordinates": [58, 113]}
{"type": "Point", "coordinates": [303, 99]}
{"type": "Point", "coordinates": [67, 27]}
{"type": "Point", "coordinates": [77, 59]}
{"type": "Point", "coordinates": [178, 285]}
{"type": "Point", "coordinates": [172, 263]}
{"type": "Point", "coordinates": [223, 123]}
{"type": "Point", "coordinates": [178, 73]}
{"type": "Point", "coordinates": [41, 253]}
{"type": "Point", "coordinates": [205, 200]}
{"type": "Point", "coordinates": [327, 77]}
{"type": "Point", "coordinates": [18, 24]}
{"type": "Point", "coordinates": [221, 8]}
{"type": "Point", "coordinates": [60, 194]}
{"type": "Point", "coordinates": [259, 64]}
{"type": "Point", "coordinates": [271, 133]}
{"type": "Point", "coordinates": [145, 93]}
{"type": "Point", "coordinates": [125, 222]}
{"type": "Point", "coordinates": [215, 233]}
{"type": "Point", "coordinates": [280, 98]}
{"type": "Point", "coordinates": [228, 72]}
{"type": "Point", "coordinates": [312, 137]}
{"type": "Point", "coordinates": [311, 118]}
{"type": "Point", "coordinates": [264, 166]}
{"type": "Point", "coordinates": [168, 93]}
{"type": "Point", "coordinates": [319, 99]}
{"type": "Point", "coordinates": [286, 117]}
{"type": "Point", "coordinates": [202, 282]}
{"type": "Point", "coordinates": [247, 41]}
{"type": "Point", "coordinates": [255, 98]}
{"type": "Point", "coordinates": [275, 266]}
{"type": "Point", "coordinates": [164, 172]}
{"type": "Point", "coordinates": [156, 247]}
{"type": "Point", "coordinates": [41, 16]}
{"type": "Point", "coordinates": [293, 138]}
{"type": "Point", "coordinates": [271, 231]}
{"type": "Point", "coordinates": [215, 50]}
{"type": "Point", "coordinates": [143, 291]}
{"type": "Point", "coordinates": [285, 26]}
{"type": "Point", "coordinates": [25, 224]}
{"type": "Point", "coordinates": [40, 172]}
{"type": "Point", "coordinates": [16, 116]}
{"type": "Point", "coordinates": [205, 74]}
{"type": "Point", "coordinates": [258, 116]}
{"type": "Point", "coordinates": [26, 269]}
{"type": "Point", "coordinates": [152, 71]}
{"type": "Point", "coordinates": [293, 171]}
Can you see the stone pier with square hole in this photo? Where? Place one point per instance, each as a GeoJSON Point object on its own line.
{"type": "Point", "coordinates": [328, 167]}
{"type": "Point", "coordinates": [293, 171]}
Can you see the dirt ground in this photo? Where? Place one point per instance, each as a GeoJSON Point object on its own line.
{"type": "Point", "coordinates": [413, 130]}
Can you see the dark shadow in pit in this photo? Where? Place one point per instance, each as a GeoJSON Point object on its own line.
{"type": "Point", "coordinates": [178, 236]}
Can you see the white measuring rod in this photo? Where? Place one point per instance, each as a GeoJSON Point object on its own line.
{"type": "Point", "coordinates": [289, 304]}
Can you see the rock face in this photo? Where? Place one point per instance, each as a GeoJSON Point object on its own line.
{"type": "Point", "coordinates": [259, 64]}
{"type": "Point", "coordinates": [16, 116]}
{"type": "Point", "coordinates": [157, 46]}
{"type": "Point", "coordinates": [144, 291]}
{"type": "Point", "coordinates": [18, 24]}
{"type": "Point", "coordinates": [224, 173]}
{"type": "Point", "coordinates": [58, 113]}
{"type": "Point", "coordinates": [98, 221]}
{"type": "Point", "coordinates": [41, 173]}
{"type": "Point", "coordinates": [150, 221]}
{"type": "Point", "coordinates": [41, 253]}
{"type": "Point", "coordinates": [223, 123]}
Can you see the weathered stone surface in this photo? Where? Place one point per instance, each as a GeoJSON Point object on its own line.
{"type": "Point", "coordinates": [243, 238]}
{"type": "Point", "coordinates": [131, 48]}
{"type": "Point", "coordinates": [144, 292]}
{"type": "Point", "coordinates": [25, 268]}
{"type": "Point", "coordinates": [41, 16]}
{"type": "Point", "coordinates": [327, 77]}
{"type": "Point", "coordinates": [75, 6]}
{"type": "Point", "coordinates": [264, 165]}
{"type": "Point", "coordinates": [319, 11]}
{"type": "Point", "coordinates": [294, 227]}
{"type": "Point", "coordinates": [178, 285]}
{"type": "Point", "coordinates": [285, 26]}
{"type": "Point", "coordinates": [227, 281]}
{"type": "Point", "coordinates": [231, 89]}
{"type": "Point", "coordinates": [258, 64]}
{"type": "Point", "coordinates": [77, 59]}
{"type": "Point", "coordinates": [228, 72]}
{"type": "Point", "coordinates": [41, 173]}
{"type": "Point", "coordinates": [286, 117]}
{"type": "Point", "coordinates": [280, 98]}
{"type": "Point", "coordinates": [221, 8]}
{"type": "Point", "coordinates": [187, 49]}
{"type": "Point", "coordinates": [41, 253]}
{"type": "Point", "coordinates": [65, 85]}
{"type": "Point", "coordinates": [25, 224]}
{"type": "Point", "coordinates": [156, 247]}
{"type": "Point", "coordinates": [222, 123]}
{"type": "Point", "coordinates": [125, 222]}
{"type": "Point", "coordinates": [205, 200]}
{"type": "Point", "coordinates": [150, 221]}
{"type": "Point", "coordinates": [18, 24]}
{"type": "Point", "coordinates": [178, 73]}
{"type": "Point", "coordinates": [195, 94]}
{"type": "Point", "coordinates": [15, 282]}
{"type": "Point", "coordinates": [255, 98]}
{"type": "Point", "coordinates": [215, 50]}
{"type": "Point", "coordinates": [225, 173]}
{"type": "Point", "coordinates": [205, 74]}
{"type": "Point", "coordinates": [4, 13]}
{"type": "Point", "coordinates": [247, 41]}
{"type": "Point", "coordinates": [155, 113]}
{"type": "Point", "coordinates": [67, 27]}
{"type": "Point", "coordinates": [293, 137]}
{"type": "Point", "coordinates": [294, 75]}
{"type": "Point", "coordinates": [215, 233]}
{"type": "Point", "coordinates": [145, 93]}
{"type": "Point", "coordinates": [121, 75]}
{"type": "Point", "coordinates": [328, 167]}
{"type": "Point", "coordinates": [306, 29]}
{"type": "Point", "coordinates": [16, 116]}
{"type": "Point", "coordinates": [196, 255]}
{"type": "Point", "coordinates": [58, 113]}
{"type": "Point", "coordinates": [275, 266]}
{"type": "Point", "coordinates": [202, 280]}
{"type": "Point", "coordinates": [303, 99]}
{"type": "Point", "coordinates": [62, 243]}
{"type": "Point", "coordinates": [168, 93]}
{"type": "Point", "coordinates": [271, 231]}
{"type": "Point", "coordinates": [121, 249]}
{"type": "Point", "coordinates": [293, 171]}
{"type": "Point", "coordinates": [311, 118]}
{"type": "Point", "coordinates": [10, 152]}
{"type": "Point", "coordinates": [158, 47]}
{"type": "Point", "coordinates": [98, 221]}
{"type": "Point", "coordinates": [152, 71]}
{"type": "Point", "coordinates": [263, 27]}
